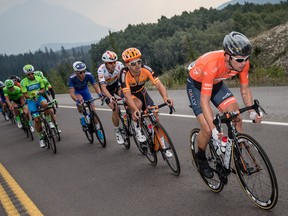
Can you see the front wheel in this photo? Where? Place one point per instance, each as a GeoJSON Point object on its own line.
{"type": "Point", "coordinates": [215, 183]}
{"type": "Point", "coordinates": [167, 148]}
{"type": "Point", "coordinates": [49, 138]}
{"type": "Point", "coordinates": [255, 172]}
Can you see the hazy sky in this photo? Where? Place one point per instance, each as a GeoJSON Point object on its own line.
{"type": "Point", "coordinates": [117, 14]}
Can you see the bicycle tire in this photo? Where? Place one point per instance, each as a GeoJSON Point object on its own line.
{"type": "Point", "coordinates": [49, 137]}
{"type": "Point", "coordinates": [136, 141]}
{"type": "Point", "coordinates": [56, 133]}
{"type": "Point", "coordinates": [102, 141]}
{"type": "Point", "coordinates": [215, 184]}
{"type": "Point", "coordinates": [255, 178]}
{"type": "Point", "coordinates": [150, 154]}
{"type": "Point", "coordinates": [26, 126]}
{"type": "Point", "coordinates": [173, 162]}
{"type": "Point", "coordinates": [124, 130]}
{"type": "Point", "coordinates": [88, 132]}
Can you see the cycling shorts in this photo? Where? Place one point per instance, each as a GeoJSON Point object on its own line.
{"type": "Point", "coordinates": [85, 93]}
{"type": "Point", "coordinates": [221, 96]}
{"type": "Point", "coordinates": [3, 99]}
{"type": "Point", "coordinates": [33, 106]}
{"type": "Point", "coordinates": [144, 97]}
{"type": "Point", "coordinates": [113, 89]}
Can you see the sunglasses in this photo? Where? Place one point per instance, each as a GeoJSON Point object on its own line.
{"type": "Point", "coordinates": [111, 63]}
{"type": "Point", "coordinates": [240, 60]}
{"type": "Point", "coordinates": [81, 72]}
{"type": "Point", "coordinates": [135, 62]}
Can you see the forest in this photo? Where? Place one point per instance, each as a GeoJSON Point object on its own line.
{"type": "Point", "coordinates": [167, 46]}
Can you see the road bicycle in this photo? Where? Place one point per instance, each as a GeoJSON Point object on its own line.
{"type": "Point", "coordinates": [157, 138]}
{"type": "Point", "coordinates": [48, 134]}
{"type": "Point", "coordinates": [24, 121]}
{"type": "Point", "coordinates": [90, 127]}
{"type": "Point", "coordinates": [251, 164]}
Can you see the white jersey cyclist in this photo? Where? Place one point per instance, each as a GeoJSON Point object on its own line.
{"type": "Point", "coordinates": [109, 78]}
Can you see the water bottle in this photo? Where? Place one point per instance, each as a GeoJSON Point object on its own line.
{"type": "Point", "coordinates": [228, 153]}
{"type": "Point", "coordinates": [223, 144]}
{"type": "Point", "coordinates": [125, 119]}
{"type": "Point", "coordinates": [82, 120]}
{"type": "Point", "coordinates": [87, 118]}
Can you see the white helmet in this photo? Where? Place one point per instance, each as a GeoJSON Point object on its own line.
{"type": "Point", "coordinates": [109, 56]}
{"type": "Point", "coordinates": [79, 66]}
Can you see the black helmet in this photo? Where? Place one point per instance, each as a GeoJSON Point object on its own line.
{"type": "Point", "coordinates": [236, 43]}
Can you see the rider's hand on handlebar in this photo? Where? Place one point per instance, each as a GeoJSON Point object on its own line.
{"type": "Point", "coordinates": [136, 115]}
{"type": "Point", "coordinates": [255, 117]}
{"type": "Point", "coordinates": [168, 101]}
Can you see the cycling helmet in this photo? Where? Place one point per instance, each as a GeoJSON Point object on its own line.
{"type": "Point", "coordinates": [109, 56]}
{"type": "Point", "coordinates": [28, 68]}
{"type": "Point", "coordinates": [79, 66]}
{"type": "Point", "coordinates": [15, 78]}
{"type": "Point", "coordinates": [130, 54]}
{"type": "Point", "coordinates": [236, 43]}
{"type": "Point", "coordinates": [2, 84]}
{"type": "Point", "coordinates": [9, 83]}
{"type": "Point", "coordinates": [39, 74]}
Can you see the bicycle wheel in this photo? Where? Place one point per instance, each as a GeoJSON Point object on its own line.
{"type": "Point", "coordinates": [26, 127]}
{"type": "Point", "coordinates": [150, 153]}
{"type": "Point", "coordinates": [124, 130]}
{"type": "Point", "coordinates": [216, 182]}
{"type": "Point", "coordinates": [255, 172]}
{"type": "Point", "coordinates": [88, 130]}
{"type": "Point", "coordinates": [138, 144]}
{"type": "Point", "coordinates": [50, 138]}
{"type": "Point", "coordinates": [102, 139]}
{"type": "Point", "coordinates": [56, 133]}
{"type": "Point", "coordinates": [173, 161]}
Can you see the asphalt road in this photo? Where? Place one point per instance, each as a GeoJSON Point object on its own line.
{"type": "Point", "coordinates": [86, 179]}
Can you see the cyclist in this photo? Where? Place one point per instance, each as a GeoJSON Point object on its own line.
{"type": "Point", "coordinates": [79, 91]}
{"type": "Point", "coordinates": [16, 80]}
{"type": "Point", "coordinates": [14, 96]}
{"type": "Point", "coordinates": [48, 87]}
{"type": "Point", "coordinates": [132, 79]}
{"type": "Point", "coordinates": [33, 88]}
{"type": "Point", "coordinates": [108, 74]}
{"type": "Point", "coordinates": [3, 103]}
{"type": "Point", "coordinates": [205, 84]}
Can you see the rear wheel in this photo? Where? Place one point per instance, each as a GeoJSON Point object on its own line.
{"type": "Point", "coordinates": [166, 146]}
{"type": "Point", "coordinates": [216, 182]}
{"type": "Point", "coordinates": [99, 131]}
{"type": "Point", "coordinates": [150, 153]}
{"type": "Point", "coordinates": [255, 172]}
{"type": "Point", "coordinates": [88, 132]}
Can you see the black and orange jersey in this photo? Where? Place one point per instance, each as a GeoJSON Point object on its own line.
{"type": "Point", "coordinates": [130, 83]}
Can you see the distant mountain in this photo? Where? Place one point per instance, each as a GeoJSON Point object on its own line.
{"type": "Point", "coordinates": [58, 46]}
{"type": "Point", "coordinates": [250, 1]}
{"type": "Point", "coordinates": [30, 25]}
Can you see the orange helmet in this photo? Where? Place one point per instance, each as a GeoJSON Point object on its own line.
{"type": "Point", "coordinates": [130, 54]}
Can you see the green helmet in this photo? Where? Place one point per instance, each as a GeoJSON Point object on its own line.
{"type": "Point", "coordinates": [28, 68]}
{"type": "Point", "coordinates": [39, 74]}
{"type": "Point", "coordinates": [9, 83]}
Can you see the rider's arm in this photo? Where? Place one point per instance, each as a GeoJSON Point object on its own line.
{"type": "Point", "coordinates": [163, 92]}
{"type": "Point", "coordinates": [97, 89]}
{"type": "Point", "coordinates": [72, 94]}
{"type": "Point", "coordinates": [8, 102]}
{"type": "Point", "coordinates": [246, 94]}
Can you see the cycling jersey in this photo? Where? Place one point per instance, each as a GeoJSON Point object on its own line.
{"type": "Point", "coordinates": [129, 83]}
{"type": "Point", "coordinates": [105, 77]}
{"type": "Point", "coordinates": [77, 84]}
{"type": "Point", "coordinates": [210, 69]}
{"type": "Point", "coordinates": [2, 97]}
{"type": "Point", "coordinates": [32, 86]}
{"type": "Point", "coordinates": [13, 95]}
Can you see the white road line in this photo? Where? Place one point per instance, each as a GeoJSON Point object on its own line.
{"type": "Point", "coordinates": [188, 116]}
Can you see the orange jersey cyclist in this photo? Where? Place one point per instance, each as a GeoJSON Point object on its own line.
{"type": "Point", "coordinates": [108, 76]}
{"type": "Point", "coordinates": [133, 78]}
{"type": "Point", "coordinates": [205, 84]}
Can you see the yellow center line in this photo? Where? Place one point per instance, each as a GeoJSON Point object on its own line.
{"type": "Point", "coordinates": [9, 191]}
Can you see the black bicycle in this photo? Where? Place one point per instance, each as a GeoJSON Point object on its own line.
{"type": "Point", "coordinates": [92, 118]}
{"type": "Point", "coordinates": [48, 133]}
{"type": "Point", "coordinates": [251, 164]}
{"type": "Point", "coordinates": [157, 139]}
{"type": "Point", "coordinates": [25, 122]}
